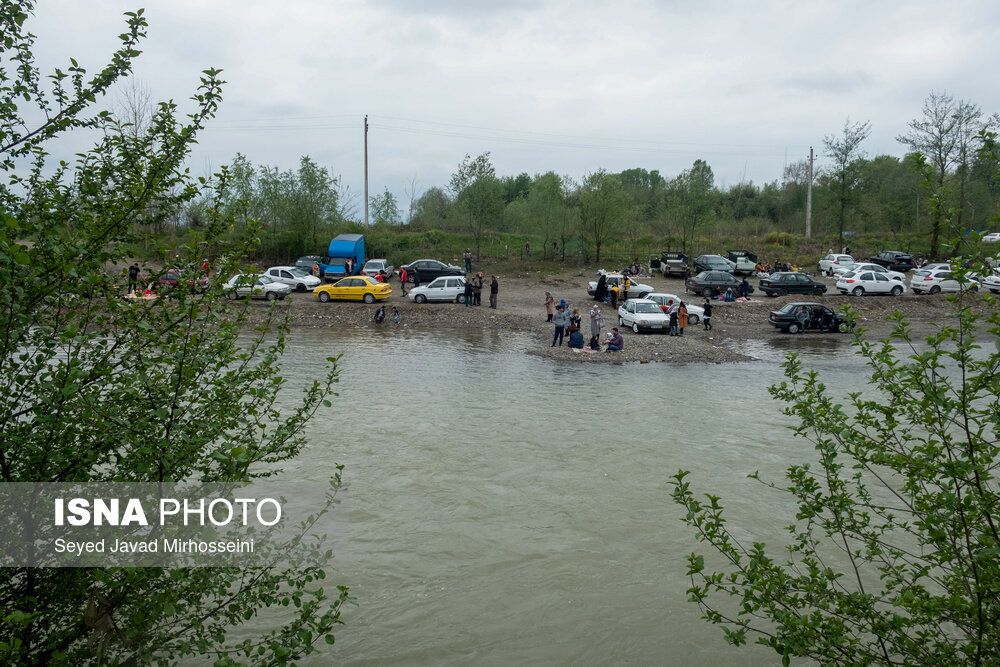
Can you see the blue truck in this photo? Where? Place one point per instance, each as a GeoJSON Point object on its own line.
{"type": "Point", "coordinates": [342, 248]}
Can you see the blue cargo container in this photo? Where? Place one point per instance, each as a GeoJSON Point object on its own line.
{"type": "Point", "coordinates": [342, 248]}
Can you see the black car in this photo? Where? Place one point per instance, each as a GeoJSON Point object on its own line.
{"type": "Point", "coordinates": [892, 259]}
{"type": "Point", "coordinates": [712, 263]}
{"type": "Point", "coordinates": [710, 283]}
{"type": "Point", "coordinates": [429, 269]}
{"type": "Point", "coordinates": [780, 284]}
{"type": "Point", "coordinates": [797, 317]}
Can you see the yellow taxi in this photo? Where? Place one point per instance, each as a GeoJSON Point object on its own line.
{"type": "Point", "coordinates": [354, 288]}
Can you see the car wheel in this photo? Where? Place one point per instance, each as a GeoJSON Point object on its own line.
{"type": "Point", "coordinates": [707, 292]}
{"type": "Point", "coordinates": [818, 291]}
{"type": "Point", "coordinates": [324, 297]}
{"type": "Point", "coordinates": [635, 327]}
{"type": "Point", "coordinates": [271, 296]}
{"type": "Point", "coordinates": [896, 291]}
{"type": "Point", "coordinates": [782, 292]}
{"type": "Point", "coordinates": [935, 289]}
{"type": "Point", "coordinates": [858, 291]}
{"type": "Point", "coordinates": [642, 295]}
{"type": "Point", "coordinates": [793, 328]}
{"type": "Point", "coordinates": [460, 298]}
{"type": "Point", "coordinates": [842, 327]}
{"type": "Point", "coordinates": [974, 288]}
{"type": "Point", "coordinates": [693, 320]}
{"type": "Point", "coordinates": [369, 298]}
{"type": "Point", "coordinates": [420, 298]}
{"type": "Point", "coordinates": [232, 296]}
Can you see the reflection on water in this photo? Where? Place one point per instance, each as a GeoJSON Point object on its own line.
{"type": "Point", "coordinates": [511, 509]}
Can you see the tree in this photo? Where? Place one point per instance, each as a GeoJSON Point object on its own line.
{"type": "Point", "coordinates": [892, 555]}
{"type": "Point", "coordinates": [479, 194]}
{"type": "Point", "coordinates": [385, 211]}
{"type": "Point", "coordinates": [603, 207]}
{"type": "Point", "coordinates": [692, 199]}
{"type": "Point", "coordinates": [97, 388]}
{"type": "Point", "coordinates": [547, 210]}
{"type": "Point", "coordinates": [846, 153]}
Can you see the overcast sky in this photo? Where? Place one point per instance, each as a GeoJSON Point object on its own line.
{"type": "Point", "coordinates": [560, 85]}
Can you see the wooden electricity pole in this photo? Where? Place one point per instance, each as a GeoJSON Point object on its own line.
{"type": "Point", "coordinates": [809, 197]}
{"type": "Point", "coordinates": [366, 170]}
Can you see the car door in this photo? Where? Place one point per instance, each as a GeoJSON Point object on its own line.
{"type": "Point", "coordinates": [454, 287]}
{"type": "Point", "coordinates": [343, 288]}
{"type": "Point", "coordinates": [629, 316]}
{"type": "Point", "coordinates": [882, 283]}
{"type": "Point", "coordinates": [436, 290]}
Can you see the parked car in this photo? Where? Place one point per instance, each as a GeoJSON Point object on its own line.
{"type": "Point", "coordinates": [780, 284]}
{"type": "Point", "coordinates": [860, 283]}
{"type": "Point", "coordinates": [429, 269]}
{"type": "Point", "coordinates": [354, 288]}
{"type": "Point", "coordinates": [373, 266]}
{"type": "Point", "coordinates": [710, 283]}
{"type": "Point", "coordinates": [992, 237]}
{"type": "Point", "coordinates": [991, 282]}
{"type": "Point", "coordinates": [445, 288]}
{"type": "Point", "coordinates": [636, 288]}
{"type": "Point", "coordinates": [301, 280]}
{"type": "Point", "coordinates": [307, 262]}
{"type": "Point", "coordinates": [895, 260]}
{"type": "Point", "coordinates": [695, 313]}
{"type": "Point", "coordinates": [744, 262]}
{"type": "Point", "coordinates": [670, 264]}
{"type": "Point", "coordinates": [643, 315]}
{"type": "Point", "coordinates": [868, 266]}
{"type": "Point", "coordinates": [713, 263]}
{"type": "Point", "coordinates": [257, 286]}
{"type": "Point", "coordinates": [172, 278]}
{"type": "Point", "coordinates": [940, 280]}
{"type": "Point", "coordinates": [832, 261]}
{"type": "Point", "coordinates": [797, 317]}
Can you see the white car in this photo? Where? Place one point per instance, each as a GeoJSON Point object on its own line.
{"type": "Point", "coordinates": [834, 261]}
{"type": "Point", "coordinates": [373, 266]}
{"type": "Point", "coordinates": [643, 315]}
{"type": "Point", "coordinates": [294, 276]}
{"type": "Point", "coordinates": [869, 282]}
{"type": "Point", "coordinates": [242, 286]}
{"type": "Point", "coordinates": [695, 313]}
{"type": "Point", "coordinates": [992, 237]}
{"type": "Point", "coordinates": [445, 288]}
{"type": "Point", "coordinates": [636, 289]}
{"type": "Point", "coordinates": [940, 280]}
{"type": "Point", "coordinates": [866, 266]}
{"type": "Point", "coordinates": [992, 283]}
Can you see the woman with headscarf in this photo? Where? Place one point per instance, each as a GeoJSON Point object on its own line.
{"type": "Point", "coordinates": [601, 291]}
{"type": "Point", "coordinates": [595, 321]}
{"type": "Point", "coordinates": [550, 306]}
{"type": "Point", "coordinates": [682, 317]}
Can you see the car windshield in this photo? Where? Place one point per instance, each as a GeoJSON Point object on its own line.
{"type": "Point", "coordinates": [647, 308]}
{"type": "Point", "coordinates": [850, 274]}
{"type": "Point", "coordinates": [263, 280]}
{"type": "Point", "coordinates": [299, 272]}
{"type": "Point", "coordinates": [789, 308]}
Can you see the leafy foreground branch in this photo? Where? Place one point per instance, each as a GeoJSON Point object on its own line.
{"type": "Point", "coordinates": [95, 387]}
{"type": "Point", "coordinates": [894, 554]}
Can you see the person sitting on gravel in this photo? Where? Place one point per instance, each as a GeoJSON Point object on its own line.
{"type": "Point", "coordinates": [379, 315]}
{"type": "Point", "coordinates": [575, 338]}
{"type": "Point", "coordinates": [615, 341]}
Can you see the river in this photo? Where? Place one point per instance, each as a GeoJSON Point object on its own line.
{"type": "Point", "coordinates": [509, 509]}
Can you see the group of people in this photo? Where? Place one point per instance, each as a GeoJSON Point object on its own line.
{"type": "Point", "coordinates": [569, 323]}
{"type": "Point", "coordinates": [474, 291]}
{"type": "Point", "coordinates": [766, 269]}
{"type": "Point", "coordinates": [379, 317]}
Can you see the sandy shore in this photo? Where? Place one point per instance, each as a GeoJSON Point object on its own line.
{"type": "Point", "coordinates": [520, 308]}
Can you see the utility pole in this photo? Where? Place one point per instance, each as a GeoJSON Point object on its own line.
{"type": "Point", "coordinates": [366, 170]}
{"type": "Point", "coordinates": [809, 197]}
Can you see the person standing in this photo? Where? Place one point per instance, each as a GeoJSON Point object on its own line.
{"type": "Point", "coordinates": [560, 320]}
{"type": "Point", "coordinates": [315, 268]}
{"type": "Point", "coordinates": [595, 321]}
{"type": "Point", "coordinates": [576, 320]}
{"type": "Point", "coordinates": [494, 289]}
{"type": "Point", "coordinates": [416, 278]}
{"type": "Point", "coordinates": [614, 296]}
{"type": "Point", "coordinates": [468, 293]}
{"type": "Point", "coordinates": [708, 315]}
{"type": "Point", "coordinates": [674, 313]}
{"type": "Point", "coordinates": [133, 277]}
{"type": "Point", "coordinates": [682, 318]}
{"type": "Point", "coordinates": [477, 289]}
{"type": "Point", "coordinates": [402, 280]}
{"type": "Point", "coordinates": [527, 250]}
{"type": "Point", "coordinates": [467, 256]}
{"type": "Point", "coordinates": [626, 285]}
{"type": "Point", "coordinates": [550, 306]}
{"type": "Point", "coordinates": [601, 290]}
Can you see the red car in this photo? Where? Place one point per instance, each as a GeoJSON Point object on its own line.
{"type": "Point", "coordinates": [175, 278]}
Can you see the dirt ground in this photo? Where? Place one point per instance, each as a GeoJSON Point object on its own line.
{"type": "Point", "coordinates": [520, 308]}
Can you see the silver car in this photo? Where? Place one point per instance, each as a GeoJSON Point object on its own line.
{"type": "Point", "coordinates": [695, 313]}
{"type": "Point", "coordinates": [373, 266]}
{"type": "Point", "coordinates": [445, 288]}
{"type": "Point", "coordinates": [260, 286]}
{"type": "Point", "coordinates": [643, 315]}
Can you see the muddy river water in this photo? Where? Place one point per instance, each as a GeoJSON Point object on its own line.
{"type": "Point", "coordinates": [506, 509]}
